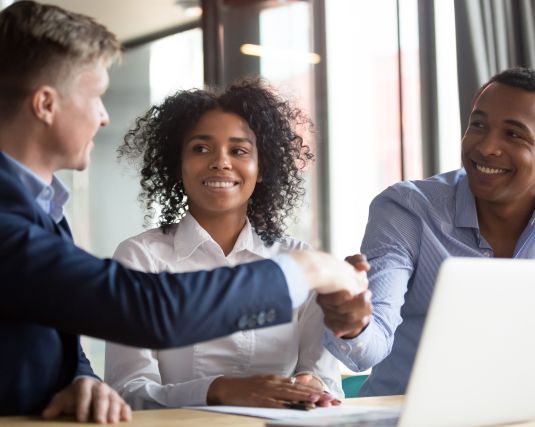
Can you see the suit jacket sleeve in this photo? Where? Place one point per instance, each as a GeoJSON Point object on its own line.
{"type": "Point", "coordinates": [49, 281]}
{"type": "Point", "coordinates": [84, 366]}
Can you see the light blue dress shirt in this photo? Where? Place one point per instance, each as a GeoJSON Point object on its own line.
{"type": "Point", "coordinates": [413, 226]}
{"type": "Point", "coordinates": [50, 197]}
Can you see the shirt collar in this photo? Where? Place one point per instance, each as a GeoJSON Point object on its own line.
{"type": "Point", "coordinates": [465, 204]}
{"type": "Point", "coordinates": [190, 236]}
{"type": "Point", "coordinates": [248, 240]}
{"type": "Point", "coordinates": [50, 197]}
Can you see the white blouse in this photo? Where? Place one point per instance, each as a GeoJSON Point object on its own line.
{"type": "Point", "coordinates": [181, 376]}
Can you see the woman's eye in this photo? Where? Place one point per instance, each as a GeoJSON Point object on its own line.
{"type": "Point", "coordinates": [240, 151]}
{"type": "Point", "coordinates": [199, 149]}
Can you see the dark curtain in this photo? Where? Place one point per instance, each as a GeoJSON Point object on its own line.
{"type": "Point", "coordinates": [492, 35]}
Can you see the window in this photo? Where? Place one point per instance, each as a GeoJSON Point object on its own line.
{"type": "Point", "coordinates": [374, 110]}
{"type": "Point", "coordinates": [449, 125]}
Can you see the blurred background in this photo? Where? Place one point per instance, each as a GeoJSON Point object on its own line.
{"type": "Point", "coordinates": [388, 84]}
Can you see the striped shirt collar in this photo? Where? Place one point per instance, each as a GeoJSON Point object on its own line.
{"type": "Point", "coordinates": [465, 205]}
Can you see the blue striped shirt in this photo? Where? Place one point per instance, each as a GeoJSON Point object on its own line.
{"type": "Point", "coordinates": [413, 226]}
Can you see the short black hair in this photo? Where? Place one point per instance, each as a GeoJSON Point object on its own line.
{"type": "Point", "coordinates": [519, 77]}
{"type": "Point", "coordinates": [157, 137]}
{"type": "Point", "coordinates": [522, 78]}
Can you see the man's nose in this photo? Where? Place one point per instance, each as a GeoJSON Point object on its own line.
{"type": "Point", "coordinates": [104, 117]}
{"type": "Point", "coordinates": [490, 144]}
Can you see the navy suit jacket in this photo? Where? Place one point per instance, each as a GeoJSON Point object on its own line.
{"type": "Point", "coordinates": [51, 291]}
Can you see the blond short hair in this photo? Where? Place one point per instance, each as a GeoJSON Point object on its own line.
{"type": "Point", "coordinates": [42, 44]}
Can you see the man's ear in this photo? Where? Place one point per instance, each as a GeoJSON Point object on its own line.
{"type": "Point", "coordinates": [45, 103]}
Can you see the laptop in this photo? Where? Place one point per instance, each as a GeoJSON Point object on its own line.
{"type": "Point", "coordinates": [475, 365]}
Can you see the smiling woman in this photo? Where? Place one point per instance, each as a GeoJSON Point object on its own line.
{"type": "Point", "coordinates": [256, 114]}
{"type": "Point", "coordinates": [220, 172]}
{"type": "Point", "coordinates": [226, 170]}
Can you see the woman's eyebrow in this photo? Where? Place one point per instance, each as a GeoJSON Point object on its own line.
{"type": "Point", "coordinates": [235, 139]}
{"type": "Point", "coordinates": [202, 137]}
{"type": "Point", "coordinates": [239, 139]}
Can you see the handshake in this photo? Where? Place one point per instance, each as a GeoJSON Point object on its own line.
{"type": "Point", "coordinates": [342, 289]}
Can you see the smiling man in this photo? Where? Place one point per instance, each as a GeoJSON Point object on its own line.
{"type": "Point", "coordinates": [485, 209]}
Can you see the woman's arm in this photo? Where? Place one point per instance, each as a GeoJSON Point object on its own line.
{"type": "Point", "coordinates": [135, 374]}
{"type": "Point", "coordinates": [313, 356]}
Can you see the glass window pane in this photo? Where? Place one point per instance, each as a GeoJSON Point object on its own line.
{"type": "Point", "coordinates": [364, 141]}
{"type": "Point", "coordinates": [449, 124]}
{"type": "Point", "coordinates": [410, 80]}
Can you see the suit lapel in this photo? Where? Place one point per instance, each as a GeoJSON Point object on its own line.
{"type": "Point", "coordinates": [64, 229]}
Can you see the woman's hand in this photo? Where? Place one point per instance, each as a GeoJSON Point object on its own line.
{"type": "Point", "coordinates": [269, 391]}
{"type": "Point", "coordinates": [326, 399]}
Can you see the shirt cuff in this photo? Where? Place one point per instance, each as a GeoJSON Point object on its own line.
{"type": "Point", "coordinates": [348, 350]}
{"type": "Point", "coordinates": [190, 393]}
{"type": "Point", "coordinates": [298, 286]}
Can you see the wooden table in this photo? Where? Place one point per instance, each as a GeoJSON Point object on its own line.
{"type": "Point", "coordinates": [189, 418]}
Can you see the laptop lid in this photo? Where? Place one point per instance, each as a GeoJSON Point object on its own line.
{"type": "Point", "coordinates": [475, 364]}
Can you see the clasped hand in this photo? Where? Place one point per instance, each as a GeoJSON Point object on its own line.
{"type": "Point", "coordinates": [347, 315]}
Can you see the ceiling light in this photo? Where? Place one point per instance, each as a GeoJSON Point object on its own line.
{"type": "Point", "coordinates": [286, 54]}
{"type": "Point", "coordinates": [193, 12]}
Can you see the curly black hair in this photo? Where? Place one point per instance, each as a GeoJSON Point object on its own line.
{"type": "Point", "coordinates": [157, 137]}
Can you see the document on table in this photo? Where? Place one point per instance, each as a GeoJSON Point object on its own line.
{"type": "Point", "coordinates": [286, 414]}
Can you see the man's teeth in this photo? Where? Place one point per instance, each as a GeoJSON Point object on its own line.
{"type": "Point", "coordinates": [219, 184]}
{"type": "Point", "coordinates": [490, 171]}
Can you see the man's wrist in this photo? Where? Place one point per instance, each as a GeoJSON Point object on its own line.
{"type": "Point", "coordinates": [352, 335]}
{"type": "Point", "coordinates": [298, 286]}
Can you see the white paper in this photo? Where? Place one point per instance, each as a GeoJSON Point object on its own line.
{"type": "Point", "coordinates": [286, 414]}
